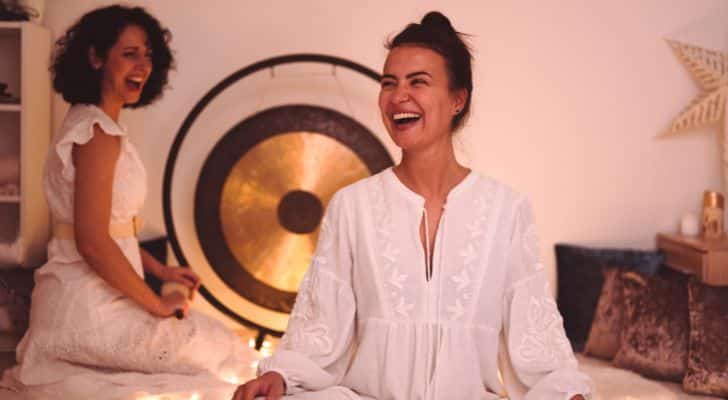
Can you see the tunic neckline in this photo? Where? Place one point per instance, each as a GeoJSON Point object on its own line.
{"type": "Point", "coordinates": [418, 199]}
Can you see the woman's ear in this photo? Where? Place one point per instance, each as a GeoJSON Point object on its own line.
{"type": "Point", "coordinates": [93, 60]}
{"type": "Point", "coordinates": [460, 97]}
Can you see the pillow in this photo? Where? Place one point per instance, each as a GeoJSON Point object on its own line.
{"type": "Point", "coordinates": [580, 282]}
{"type": "Point", "coordinates": [707, 370]}
{"type": "Point", "coordinates": [656, 325]}
{"type": "Point", "coordinates": [606, 329]}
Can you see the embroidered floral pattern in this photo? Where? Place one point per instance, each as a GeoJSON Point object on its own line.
{"type": "Point", "coordinates": [543, 344]}
{"type": "Point", "coordinates": [463, 279]}
{"type": "Point", "coordinates": [393, 275]}
{"type": "Point", "coordinates": [306, 327]}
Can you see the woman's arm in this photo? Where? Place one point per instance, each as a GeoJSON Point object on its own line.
{"type": "Point", "coordinates": [539, 351]}
{"type": "Point", "coordinates": [95, 164]}
{"type": "Point", "coordinates": [317, 347]}
{"type": "Point", "coordinates": [164, 273]}
{"type": "Point", "coordinates": [150, 264]}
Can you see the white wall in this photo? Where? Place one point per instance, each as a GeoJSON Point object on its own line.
{"type": "Point", "coordinates": [569, 95]}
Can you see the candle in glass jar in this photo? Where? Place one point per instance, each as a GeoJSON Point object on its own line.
{"type": "Point", "coordinates": [713, 206]}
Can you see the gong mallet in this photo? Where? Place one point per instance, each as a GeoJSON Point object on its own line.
{"type": "Point", "coordinates": [171, 287]}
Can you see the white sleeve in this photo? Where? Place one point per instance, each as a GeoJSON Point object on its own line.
{"type": "Point", "coordinates": [540, 353]}
{"type": "Point", "coordinates": [78, 129]}
{"type": "Point", "coordinates": [315, 350]}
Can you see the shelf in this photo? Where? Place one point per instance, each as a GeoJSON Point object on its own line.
{"type": "Point", "coordinates": [25, 135]}
{"type": "Point", "coordinates": [9, 107]}
{"type": "Point", "coordinates": [11, 25]}
{"type": "Point", "coordinates": [9, 199]}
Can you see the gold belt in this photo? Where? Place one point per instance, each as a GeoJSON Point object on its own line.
{"type": "Point", "coordinates": [117, 230]}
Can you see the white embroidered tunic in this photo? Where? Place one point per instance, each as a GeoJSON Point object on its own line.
{"type": "Point", "coordinates": [368, 324]}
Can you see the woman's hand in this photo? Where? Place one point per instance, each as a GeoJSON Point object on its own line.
{"type": "Point", "coordinates": [183, 276]}
{"type": "Point", "coordinates": [270, 384]}
{"type": "Point", "coordinates": [170, 303]}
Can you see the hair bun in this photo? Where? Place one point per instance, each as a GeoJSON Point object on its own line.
{"type": "Point", "coordinates": [437, 20]}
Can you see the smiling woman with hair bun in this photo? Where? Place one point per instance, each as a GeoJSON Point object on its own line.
{"type": "Point", "coordinates": [426, 273]}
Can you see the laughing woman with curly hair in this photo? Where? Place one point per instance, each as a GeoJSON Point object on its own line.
{"type": "Point", "coordinates": [96, 329]}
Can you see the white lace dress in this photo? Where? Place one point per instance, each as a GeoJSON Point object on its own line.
{"type": "Point", "coordinates": [86, 339]}
{"type": "Point", "coordinates": [368, 324]}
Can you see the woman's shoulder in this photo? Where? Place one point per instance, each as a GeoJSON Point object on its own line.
{"type": "Point", "coordinates": [78, 129]}
{"type": "Point", "coordinates": [81, 119]}
{"type": "Point", "coordinates": [485, 183]}
{"type": "Point", "coordinates": [363, 185]}
{"type": "Point", "coordinates": [488, 187]}
{"type": "Point", "coordinates": [357, 194]}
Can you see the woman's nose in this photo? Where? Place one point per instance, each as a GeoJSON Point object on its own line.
{"type": "Point", "coordinates": [145, 64]}
{"type": "Point", "coordinates": [401, 94]}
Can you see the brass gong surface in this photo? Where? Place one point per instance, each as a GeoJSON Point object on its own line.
{"type": "Point", "coordinates": [273, 199]}
{"type": "Point", "coordinates": [260, 198]}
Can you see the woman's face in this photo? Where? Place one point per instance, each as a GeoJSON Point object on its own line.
{"type": "Point", "coordinates": [127, 67]}
{"type": "Point", "coordinates": [415, 99]}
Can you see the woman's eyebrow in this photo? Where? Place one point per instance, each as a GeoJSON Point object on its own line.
{"type": "Point", "coordinates": [413, 74]}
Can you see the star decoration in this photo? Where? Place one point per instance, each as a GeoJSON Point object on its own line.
{"type": "Point", "coordinates": [710, 70]}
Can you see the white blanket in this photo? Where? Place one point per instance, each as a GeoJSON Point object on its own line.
{"type": "Point", "coordinates": [613, 383]}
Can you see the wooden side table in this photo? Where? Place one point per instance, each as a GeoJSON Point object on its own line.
{"type": "Point", "coordinates": [706, 259]}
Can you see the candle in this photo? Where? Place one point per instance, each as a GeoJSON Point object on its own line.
{"type": "Point", "coordinates": [689, 225]}
{"type": "Point", "coordinates": [713, 205]}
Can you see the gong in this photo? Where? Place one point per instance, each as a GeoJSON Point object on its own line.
{"type": "Point", "coordinates": [261, 194]}
{"type": "Point", "coordinates": [263, 190]}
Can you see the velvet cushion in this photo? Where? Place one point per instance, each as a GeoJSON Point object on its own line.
{"type": "Point", "coordinates": [707, 370]}
{"type": "Point", "coordinates": [654, 339]}
{"type": "Point", "coordinates": [580, 282]}
{"type": "Point", "coordinates": [606, 329]}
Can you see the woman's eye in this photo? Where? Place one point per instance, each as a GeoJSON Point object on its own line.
{"type": "Point", "coordinates": [387, 84]}
{"type": "Point", "coordinates": [417, 82]}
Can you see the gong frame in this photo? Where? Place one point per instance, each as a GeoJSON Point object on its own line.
{"type": "Point", "coordinates": [182, 133]}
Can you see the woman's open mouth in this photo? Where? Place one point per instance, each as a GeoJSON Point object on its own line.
{"type": "Point", "coordinates": [135, 84]}
{"type": "Point", "coordinates": [405, 119]}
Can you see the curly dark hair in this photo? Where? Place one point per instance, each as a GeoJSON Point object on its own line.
{"type": "Point", "coordinates": [436, 33]}
{"type": "Point", "coordinates": [76, 80]}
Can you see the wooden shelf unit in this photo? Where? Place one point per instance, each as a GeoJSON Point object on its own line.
{"type": "Point", "coordinates": [25, 133]}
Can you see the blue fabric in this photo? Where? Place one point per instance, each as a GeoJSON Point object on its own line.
{"type": "Point", "coordinates": [580, 282]}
